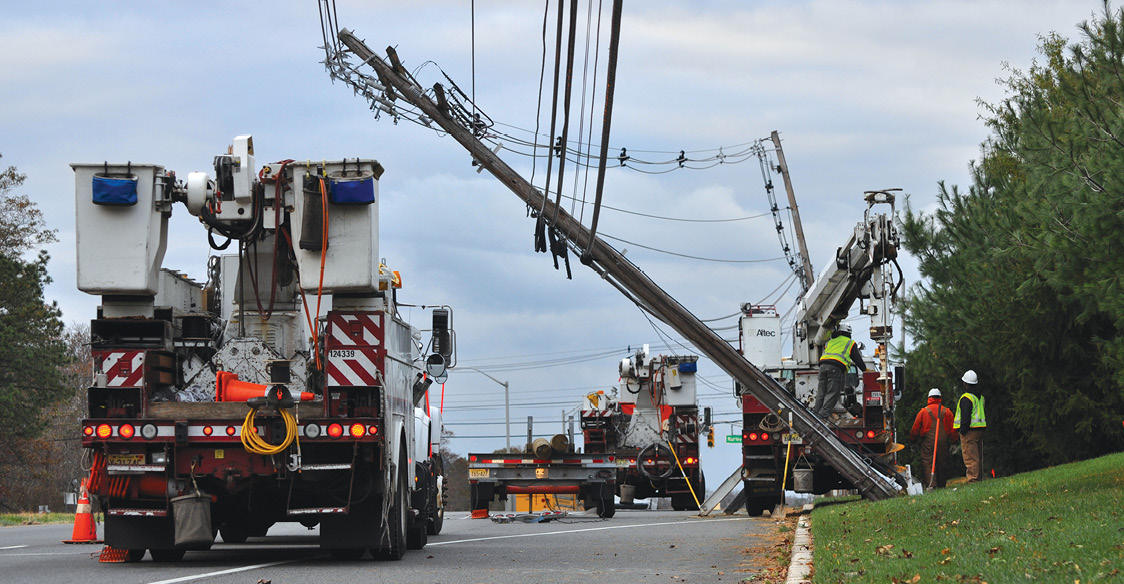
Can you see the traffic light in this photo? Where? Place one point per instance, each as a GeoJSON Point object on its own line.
{"type": "Point", "coordinates": [710, 437]}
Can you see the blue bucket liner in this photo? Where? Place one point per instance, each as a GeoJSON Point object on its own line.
{"type": "Point", "coordinates": [352, 191]}
{"type": "Point", "coordinates": [691, 367]}
{"type": "Point", "coordinates": [117, 191]}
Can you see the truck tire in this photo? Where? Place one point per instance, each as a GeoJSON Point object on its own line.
{"type": "Point", "coordinates": [232, 534]}
{"type": "Point", "coordinates": [438, 520]}
{"type": "Point", "coordinates": [167, 556]}
{"type": "Point", "coordinates": [134, 555]}
{"type": "Point", "coordinates": [396, 518]}
{"type": "Point", "coordinates": [347, 554]}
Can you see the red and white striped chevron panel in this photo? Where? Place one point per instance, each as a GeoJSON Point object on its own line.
{"type": "Point", "coordinates": [354, 329]}
{"type": "Point", "coordinates": [681, 422]}
{"type": "Point", "coordinates": [354, 367]}
{"type": "Point", "coordinates": [122, 368]}
{"type": "Point", "coordinates": [355, 349]}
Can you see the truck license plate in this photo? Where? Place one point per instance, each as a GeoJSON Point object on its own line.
{"type": "Point", "coordinates": [791, 439]}
{"type": "Point", "coordinates": [125, 459]}
{"type": "Point", "coordinates": [540, 473]}
{"type": "Point", "coordinates": [623, 462]}
{"type": "Point", "coordinates": [477, 473]}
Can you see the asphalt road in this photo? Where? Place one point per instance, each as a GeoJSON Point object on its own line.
{"type": "Point", "coordinates": [633, 547]}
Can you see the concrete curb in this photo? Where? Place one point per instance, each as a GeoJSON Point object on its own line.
{"type": "Point", "coordinates": [800, 569]}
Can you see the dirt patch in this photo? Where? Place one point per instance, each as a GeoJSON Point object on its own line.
{"type": "Point", "coordinates": [767, 555]}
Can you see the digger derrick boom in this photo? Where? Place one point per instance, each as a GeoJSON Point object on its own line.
{"type": "Point", "coordinates": [632, 282]}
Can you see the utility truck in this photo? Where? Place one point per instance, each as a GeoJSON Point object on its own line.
{"type": "Point", "coordinates": [776, 459]}
{"type": "Point", "coordinates": [651, 425]}
{"type": "Point", "coordinates": [286, 388]}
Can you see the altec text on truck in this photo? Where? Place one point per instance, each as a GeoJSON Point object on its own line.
{"type": "Point", "coordinates": [862, 272]}
{"type": "Point", "coordinates": [286, 388]}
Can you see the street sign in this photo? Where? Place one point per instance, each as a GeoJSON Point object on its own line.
{"type": "Point", "coordinates": [733, 439]}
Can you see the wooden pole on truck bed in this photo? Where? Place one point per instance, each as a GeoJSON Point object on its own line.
{"type": "Point", "coordinates": [631, 281]}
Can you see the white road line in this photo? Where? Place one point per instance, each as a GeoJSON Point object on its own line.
{"type": "Point", "coordinates": [13, 547]}
{"type": "Point", "coordinates": [437, 543]}
{"type": "Point", "coordinates": [224, 572]}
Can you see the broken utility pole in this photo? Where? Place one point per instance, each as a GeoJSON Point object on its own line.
{"type": "Point", "coordinates": [632, 282]}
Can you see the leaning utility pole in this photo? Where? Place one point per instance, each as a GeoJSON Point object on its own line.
{"type": "Point", "coordinates": [634, 284]}
{"type": "Point", "coordinates": [783, 167]}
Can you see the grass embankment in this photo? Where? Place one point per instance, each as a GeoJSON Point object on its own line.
{"type": "Point", "coordinates": [1061, 524]}
{"type": "Point", "coordinates": [13, 519]}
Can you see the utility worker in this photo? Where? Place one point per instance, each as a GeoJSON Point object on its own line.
{"type": "Point", "coordinates": [971, 422]}
{"type": "Point", "coordinates": [838, 356]}
{"type": "Point", "coordinates": [934, 427]}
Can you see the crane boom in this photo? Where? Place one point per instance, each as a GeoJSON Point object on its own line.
{"type": "Point", "coordinates": [630, 280]}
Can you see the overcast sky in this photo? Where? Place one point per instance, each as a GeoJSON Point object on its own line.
{"type": "Point", "coordinates": [865, 94]}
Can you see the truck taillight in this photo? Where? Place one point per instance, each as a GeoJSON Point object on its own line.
{"type": "Point", "coordinates": [753, 437]}
{"type": "Point", "coordinates": [356, 430]}
{"type": "Point", "coordinates": [208, 430]}
{"type": "Point", "coordinates": [372, 430]}
{"type": "Point", "coordinates": [149, 431]}
{"type": "Point", "coordinates": [230, 430]}
{"type": "Point", "coordinates": [88, 430]}
{"type": "Point", "coordinates": [126, 431]}
{"type": "Point", "coordinates": [312, 431]}
{"type": "Point", "coordinates": [870, 434]}
{"type": "Point", "coordinates": [691, 460]}
{"type": "Point", "coordinates": [335, 430]}
{"type": "Point", "coordinates": [104, 431]}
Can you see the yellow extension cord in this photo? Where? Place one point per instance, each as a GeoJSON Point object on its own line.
{"type": "Point", "coordinates": [684, 473]}
{"type": "Point", "coordinates": [257, 445]}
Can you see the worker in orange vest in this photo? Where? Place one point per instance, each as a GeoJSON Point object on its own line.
{"type": "Point", "coordinates": [934, 429]}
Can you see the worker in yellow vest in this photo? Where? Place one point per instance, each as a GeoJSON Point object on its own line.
{"type": "Point", "coordinates": [971, 422]}
{"type": "Point", "coordinates": [838, 355]}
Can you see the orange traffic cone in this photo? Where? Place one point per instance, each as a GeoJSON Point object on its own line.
{"type": "Point", "coordinates": [229, 388]}
{"type": "Point", "coordinates": [85, 531]}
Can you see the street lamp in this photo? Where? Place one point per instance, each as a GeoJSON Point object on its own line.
{"type": "Point", "coordinates": [506, 402]}
{"type": "Point", "coordinates": [510, 504]}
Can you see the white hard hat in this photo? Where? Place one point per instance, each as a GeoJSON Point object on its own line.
{"type": "Point", "coordinates": [844, 328]}
{"type": "Point", "coordinates": [970, 377]}
{"type": "Point", "coordinates": [934, 392]}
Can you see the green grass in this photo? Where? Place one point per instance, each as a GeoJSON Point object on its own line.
{"type": "Point", "coordinates": [13, 519]}
{"type": "Point", "coordinates": [1061, 524]}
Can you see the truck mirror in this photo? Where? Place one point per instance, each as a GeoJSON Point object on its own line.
{"type": "Point", "coordinates": [435, 366]}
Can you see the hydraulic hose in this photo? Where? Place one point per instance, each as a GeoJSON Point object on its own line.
{"type": "Point", "coordinates": [257, 445]}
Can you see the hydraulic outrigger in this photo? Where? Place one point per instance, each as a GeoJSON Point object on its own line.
{"type": "Point", "coordinates": [634, 284]}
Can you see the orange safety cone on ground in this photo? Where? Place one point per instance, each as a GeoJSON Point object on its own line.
{"type": "Point", "coordinates": [85, 530]}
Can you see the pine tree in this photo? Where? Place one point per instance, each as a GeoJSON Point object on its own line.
{"type": "Point", "coordinates": [1023, 273]}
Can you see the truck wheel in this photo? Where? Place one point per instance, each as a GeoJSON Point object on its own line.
{"type": "Point", "coordinates": [396, 519]}
{"type": "Point", "coordinates": [134, 555]}
{"type": "Point", "coordinates": [165, 556]}
{"type": "Point", "coordinates": [233, 535]}
{"type": "Point", "coordinates": [347, 554]}
{"type": "Point", "coordinates": [755, 506]}
{"type": "Point", "coordinates": [438, 521]}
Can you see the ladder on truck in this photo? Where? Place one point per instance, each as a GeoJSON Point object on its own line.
{"type": "Point", "coordinates": [633, 283]}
